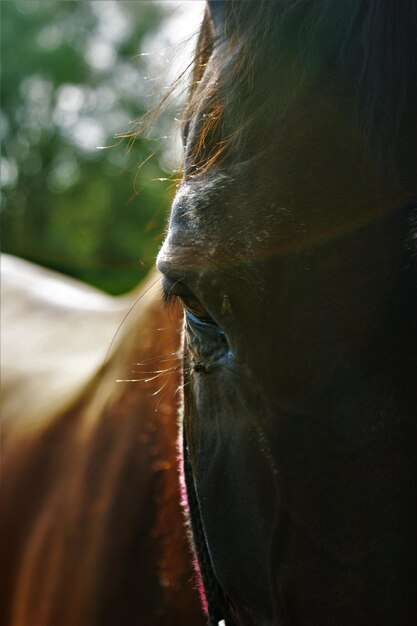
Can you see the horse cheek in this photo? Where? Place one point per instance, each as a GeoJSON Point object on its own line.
{"type": "Point", "coordinates": [232, 475]}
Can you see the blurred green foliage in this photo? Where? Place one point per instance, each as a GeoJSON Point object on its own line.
{"type": "Point", "coordinates": [73, 77]}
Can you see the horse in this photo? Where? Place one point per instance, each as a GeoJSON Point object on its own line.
{"type": "Point", "coordinates": [92, 532]}
{"type": "Point", "coordinates": [291, 246]}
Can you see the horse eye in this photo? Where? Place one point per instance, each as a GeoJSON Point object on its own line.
{"type": "Point", "coordinates": [194, 306]}
{"type": "Point", "coordinates": [194, 310]}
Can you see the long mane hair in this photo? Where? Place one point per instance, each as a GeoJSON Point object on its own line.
{"type": "Point", "coordinates": [91, 526]}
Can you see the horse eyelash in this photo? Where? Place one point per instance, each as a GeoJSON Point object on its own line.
{"type": "Point", "coordinates": [167, 296]}
{"type": "Point", "coordinates": [168, 288]}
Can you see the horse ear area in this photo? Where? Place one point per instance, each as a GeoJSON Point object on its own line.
{"type": "Point", "coordinates": [217, 10]}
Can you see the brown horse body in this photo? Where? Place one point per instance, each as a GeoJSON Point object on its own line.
{"type": "Point", "coordinates": [92, 530]}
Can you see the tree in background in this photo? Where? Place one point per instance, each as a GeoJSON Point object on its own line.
{"type": "Point", "coordinates": [72, 77]}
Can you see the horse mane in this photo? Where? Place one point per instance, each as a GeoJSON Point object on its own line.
{"type": "Point", "coordinates": [278, 49]}
{"type": "Point", "coordinates": [91, 522]}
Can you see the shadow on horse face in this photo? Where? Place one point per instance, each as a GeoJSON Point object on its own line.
{"type": "Point", "coordinates": [287, 249]}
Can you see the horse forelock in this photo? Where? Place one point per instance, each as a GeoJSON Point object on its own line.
{"type": "Point", "coordinates": [269, 52]}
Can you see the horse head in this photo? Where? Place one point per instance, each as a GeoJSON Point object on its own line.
{"type": "Point", "coordinates": [289, 246]}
